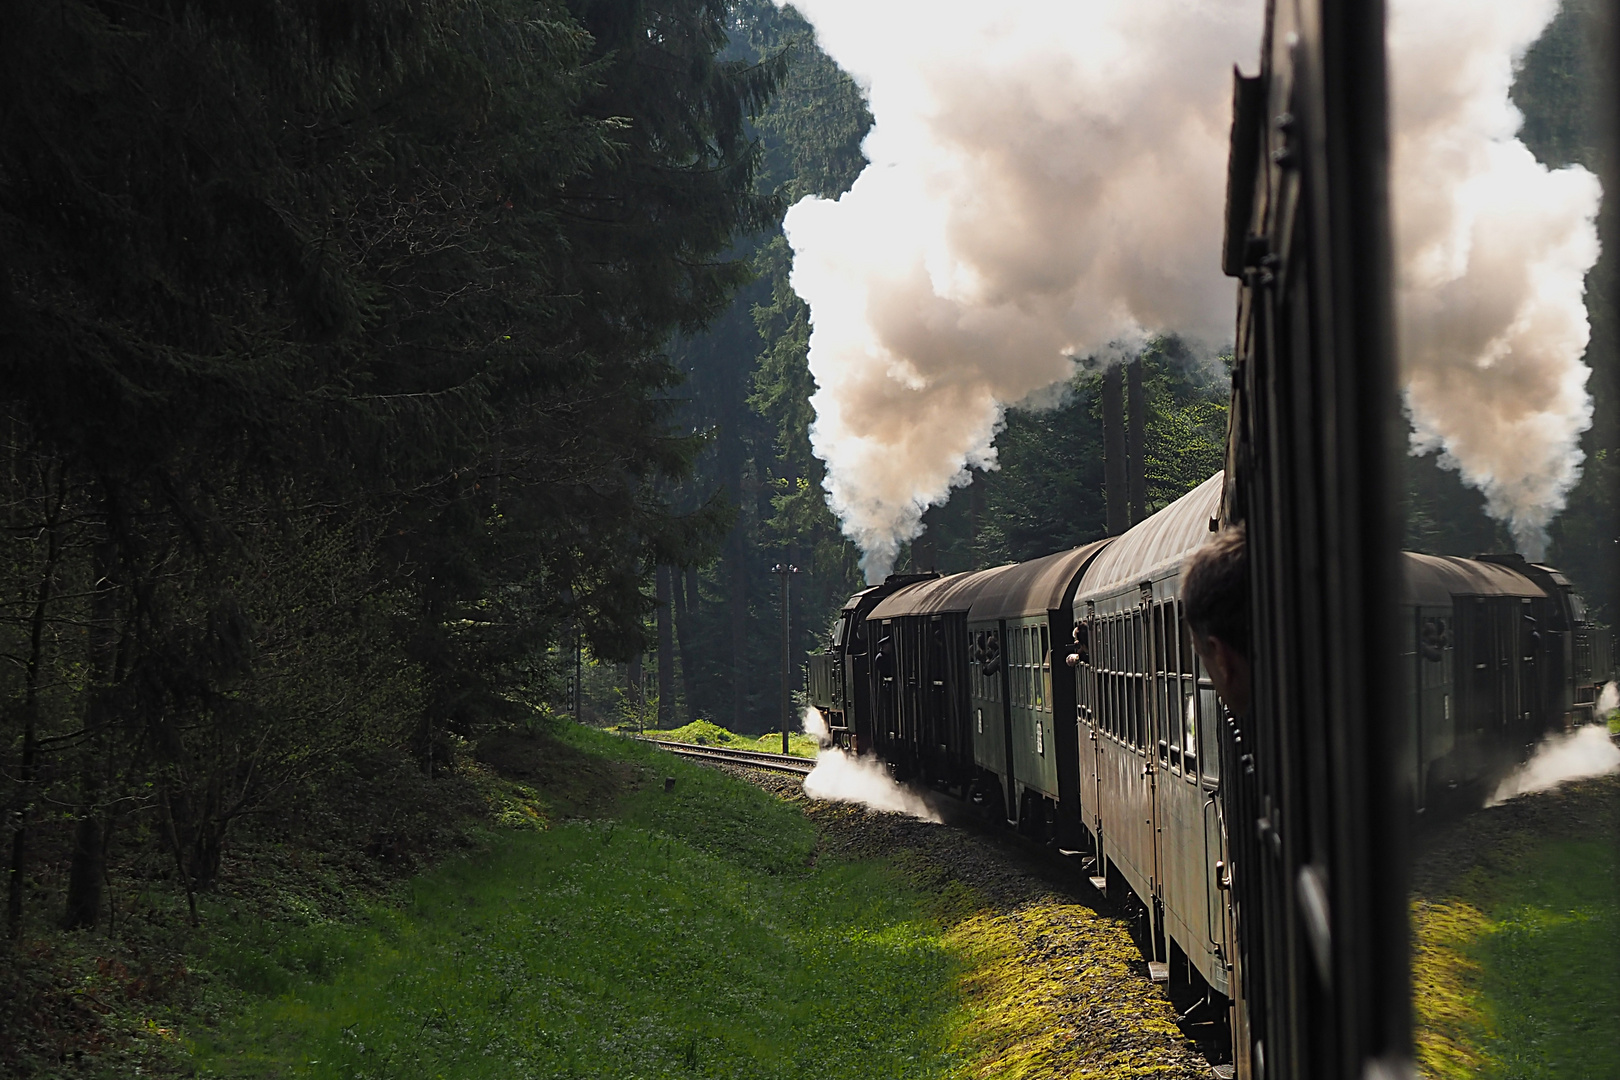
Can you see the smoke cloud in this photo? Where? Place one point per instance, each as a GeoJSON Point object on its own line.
{"type": "Point", "coordinates": [1492, 254]}
{"type": "Point", "coordinates": [1047, 184]}
{"type": "Point", "coordinates": [1585, 752]}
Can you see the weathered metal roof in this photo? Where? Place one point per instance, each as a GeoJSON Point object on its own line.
{"type": "Point", "coordinates": [1034, 587]}
{"type": "Point", "coordinates": [1432, 580]}
{"type": "Point", "coordinates": [954, 593]}
{"type": "Point", "coordinates": [1150, 546]}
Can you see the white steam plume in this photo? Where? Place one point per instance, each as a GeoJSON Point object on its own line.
{"type": "Point", "coordinates": [842, 777]}
{"type": "Point", "coordinates": [1492, 254]}
{"type": "Point", "coordinates": [1047, 182]}
{"type": "Point", "coordinates": [816, 724]}
{"type": "Point", "coordinates": [1585, 752]}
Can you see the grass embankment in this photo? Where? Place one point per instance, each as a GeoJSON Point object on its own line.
{"type": "Point", "coordinates": [680, 934]}
{"type": "Point", "coordinates": [704, 733]}
{"type": "Point", "coordinates": [1516, 940]}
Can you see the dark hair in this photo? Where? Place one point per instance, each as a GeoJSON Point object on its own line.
{"type": "Point", "coordinates": [1215, 589]}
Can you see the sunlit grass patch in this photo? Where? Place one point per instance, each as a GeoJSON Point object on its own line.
{"type": "Point", "coordinates": [705, 733]}
{"type": "Point", "coordinates": [1516, 975]}
{"type": "Point", "coordinates": [688, 936]}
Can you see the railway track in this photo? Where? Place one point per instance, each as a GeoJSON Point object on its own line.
{"type": "Point", "coordinates": [757, 759]}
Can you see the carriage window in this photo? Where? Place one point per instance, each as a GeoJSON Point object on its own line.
{"type": "Point", "coordinates": [1209, 726]}
{"type": "Point", "coordinates": [1161, 658]}
{"type": "Point", "coordinates": [1105, 677]}
{"type": "Point", "coordinates": [1028, 634]}
{"type": "Point", "coordinates": [1188, 660]}
{"type": "Point", "coordinates": [1025, 650]}
{"type": "Point", "coordinates": [1189, 730]}
{"type": "Point", "coordinates": [1113, 677]}
{"type": "Point", "coordinates": [1015, 669]}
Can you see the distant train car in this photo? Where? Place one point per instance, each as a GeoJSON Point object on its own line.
{"type": "Point", "coordinates": [1020, 628]}
{"type": "Point", "coordinates": [839, 682]}
{"type": "Point", "coordinates": [1489, 645]}
{"type": "Point", "coordinates": [920, 719]}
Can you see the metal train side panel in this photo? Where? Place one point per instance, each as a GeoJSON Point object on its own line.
{"type": "Point", "coordinates": [987, 702]}
{"type": "Point", "coordinates": [1148, 767]}
{"type": "Point", "coordinates": [1315, 815]}
{"type": "Point", "coordinates": [1026, 610]}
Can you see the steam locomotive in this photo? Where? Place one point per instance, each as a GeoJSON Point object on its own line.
{"type": "Point", "coordinates": [1065, 691]}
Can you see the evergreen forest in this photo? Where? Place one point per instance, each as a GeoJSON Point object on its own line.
{"type": "Point", "coordinates": [370, 367]}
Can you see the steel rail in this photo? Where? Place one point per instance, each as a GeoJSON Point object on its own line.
{"type": "Point", "coordinates": [757, 759]}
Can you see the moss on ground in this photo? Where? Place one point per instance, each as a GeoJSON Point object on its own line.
{"type": "Point", "coordinates": [705, 733]}
{"type": "Point", "coordinates": [1013, 1027]}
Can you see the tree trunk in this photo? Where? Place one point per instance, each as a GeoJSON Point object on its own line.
{"type": "Point", "coordinates": [737, 587]}
{"type": "Point", "coordinates": [686, 603]}
{"type": "Point", "coordinates": [975, 511]}
{"type": "Point", "coordinates": [1114, 468]}
{"type": "Point", "coordinates": [1135, 443]}
{"type": "Point", "coordinates": [86, 874]}
{"type": "Point", "coordinates": [666, 647]}
{"type": "Point", "coordinates": [30, 744]}
{"type": "Point", "coordinates": [87, 871]}
{"type": "Point", "coordinates": [632, 683]}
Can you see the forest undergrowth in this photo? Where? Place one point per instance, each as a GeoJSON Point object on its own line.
{"type": "Point", "coordinates": [571, 918]}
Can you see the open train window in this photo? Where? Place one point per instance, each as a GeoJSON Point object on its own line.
{"type": "Point", "coordinates": [1209, 724]}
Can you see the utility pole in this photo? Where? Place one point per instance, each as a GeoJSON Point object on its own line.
{"type": "Point", "coordinates": [579, 689]}
{"type": "Point", "coordinates": [786, 572]}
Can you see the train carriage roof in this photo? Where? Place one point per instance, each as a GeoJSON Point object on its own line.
{"type": "Point", "coordinates": [954, 593]}
{"type": "Point", "coordinates": [1034, 587]}
{"type": "Point", "coordinates": [1432, 580]}
{"type": "Point", "coordinates": [1162, 540]}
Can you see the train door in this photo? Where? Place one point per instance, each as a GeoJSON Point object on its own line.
{"type": "Point", "coordinates": [1085, 697]}
{"type": "Point", "coordinates": [1529, 653]}
{"type": "Point", "coordinates": [1505, 627]}
{"type": "Point", "coordinates": [936, 713]}
{"type": "Point", "coordinates": [1116, 760]}
{"type": "Point", "coordinates": [857, 686]}
{"type": "Point", "coordinates": [1206, 716]}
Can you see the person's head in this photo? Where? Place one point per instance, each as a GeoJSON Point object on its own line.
{"type": "Point", "coordinates": [1215, 598]}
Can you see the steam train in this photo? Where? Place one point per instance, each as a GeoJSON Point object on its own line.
{"type": "Point", "coordinates": [1066, 692]}
{"type": "Point", "coordinates": [1268, 851]}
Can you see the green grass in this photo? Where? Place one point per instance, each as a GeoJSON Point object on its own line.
{"type": "Point", "coordinates": [705, 733]}
{"type": "Point", "coordinates": [1516, 974]}
{"type": "Point", "coordinates": [688, 935]}
{"type": "Point", "coordinates": [1550, 980]}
